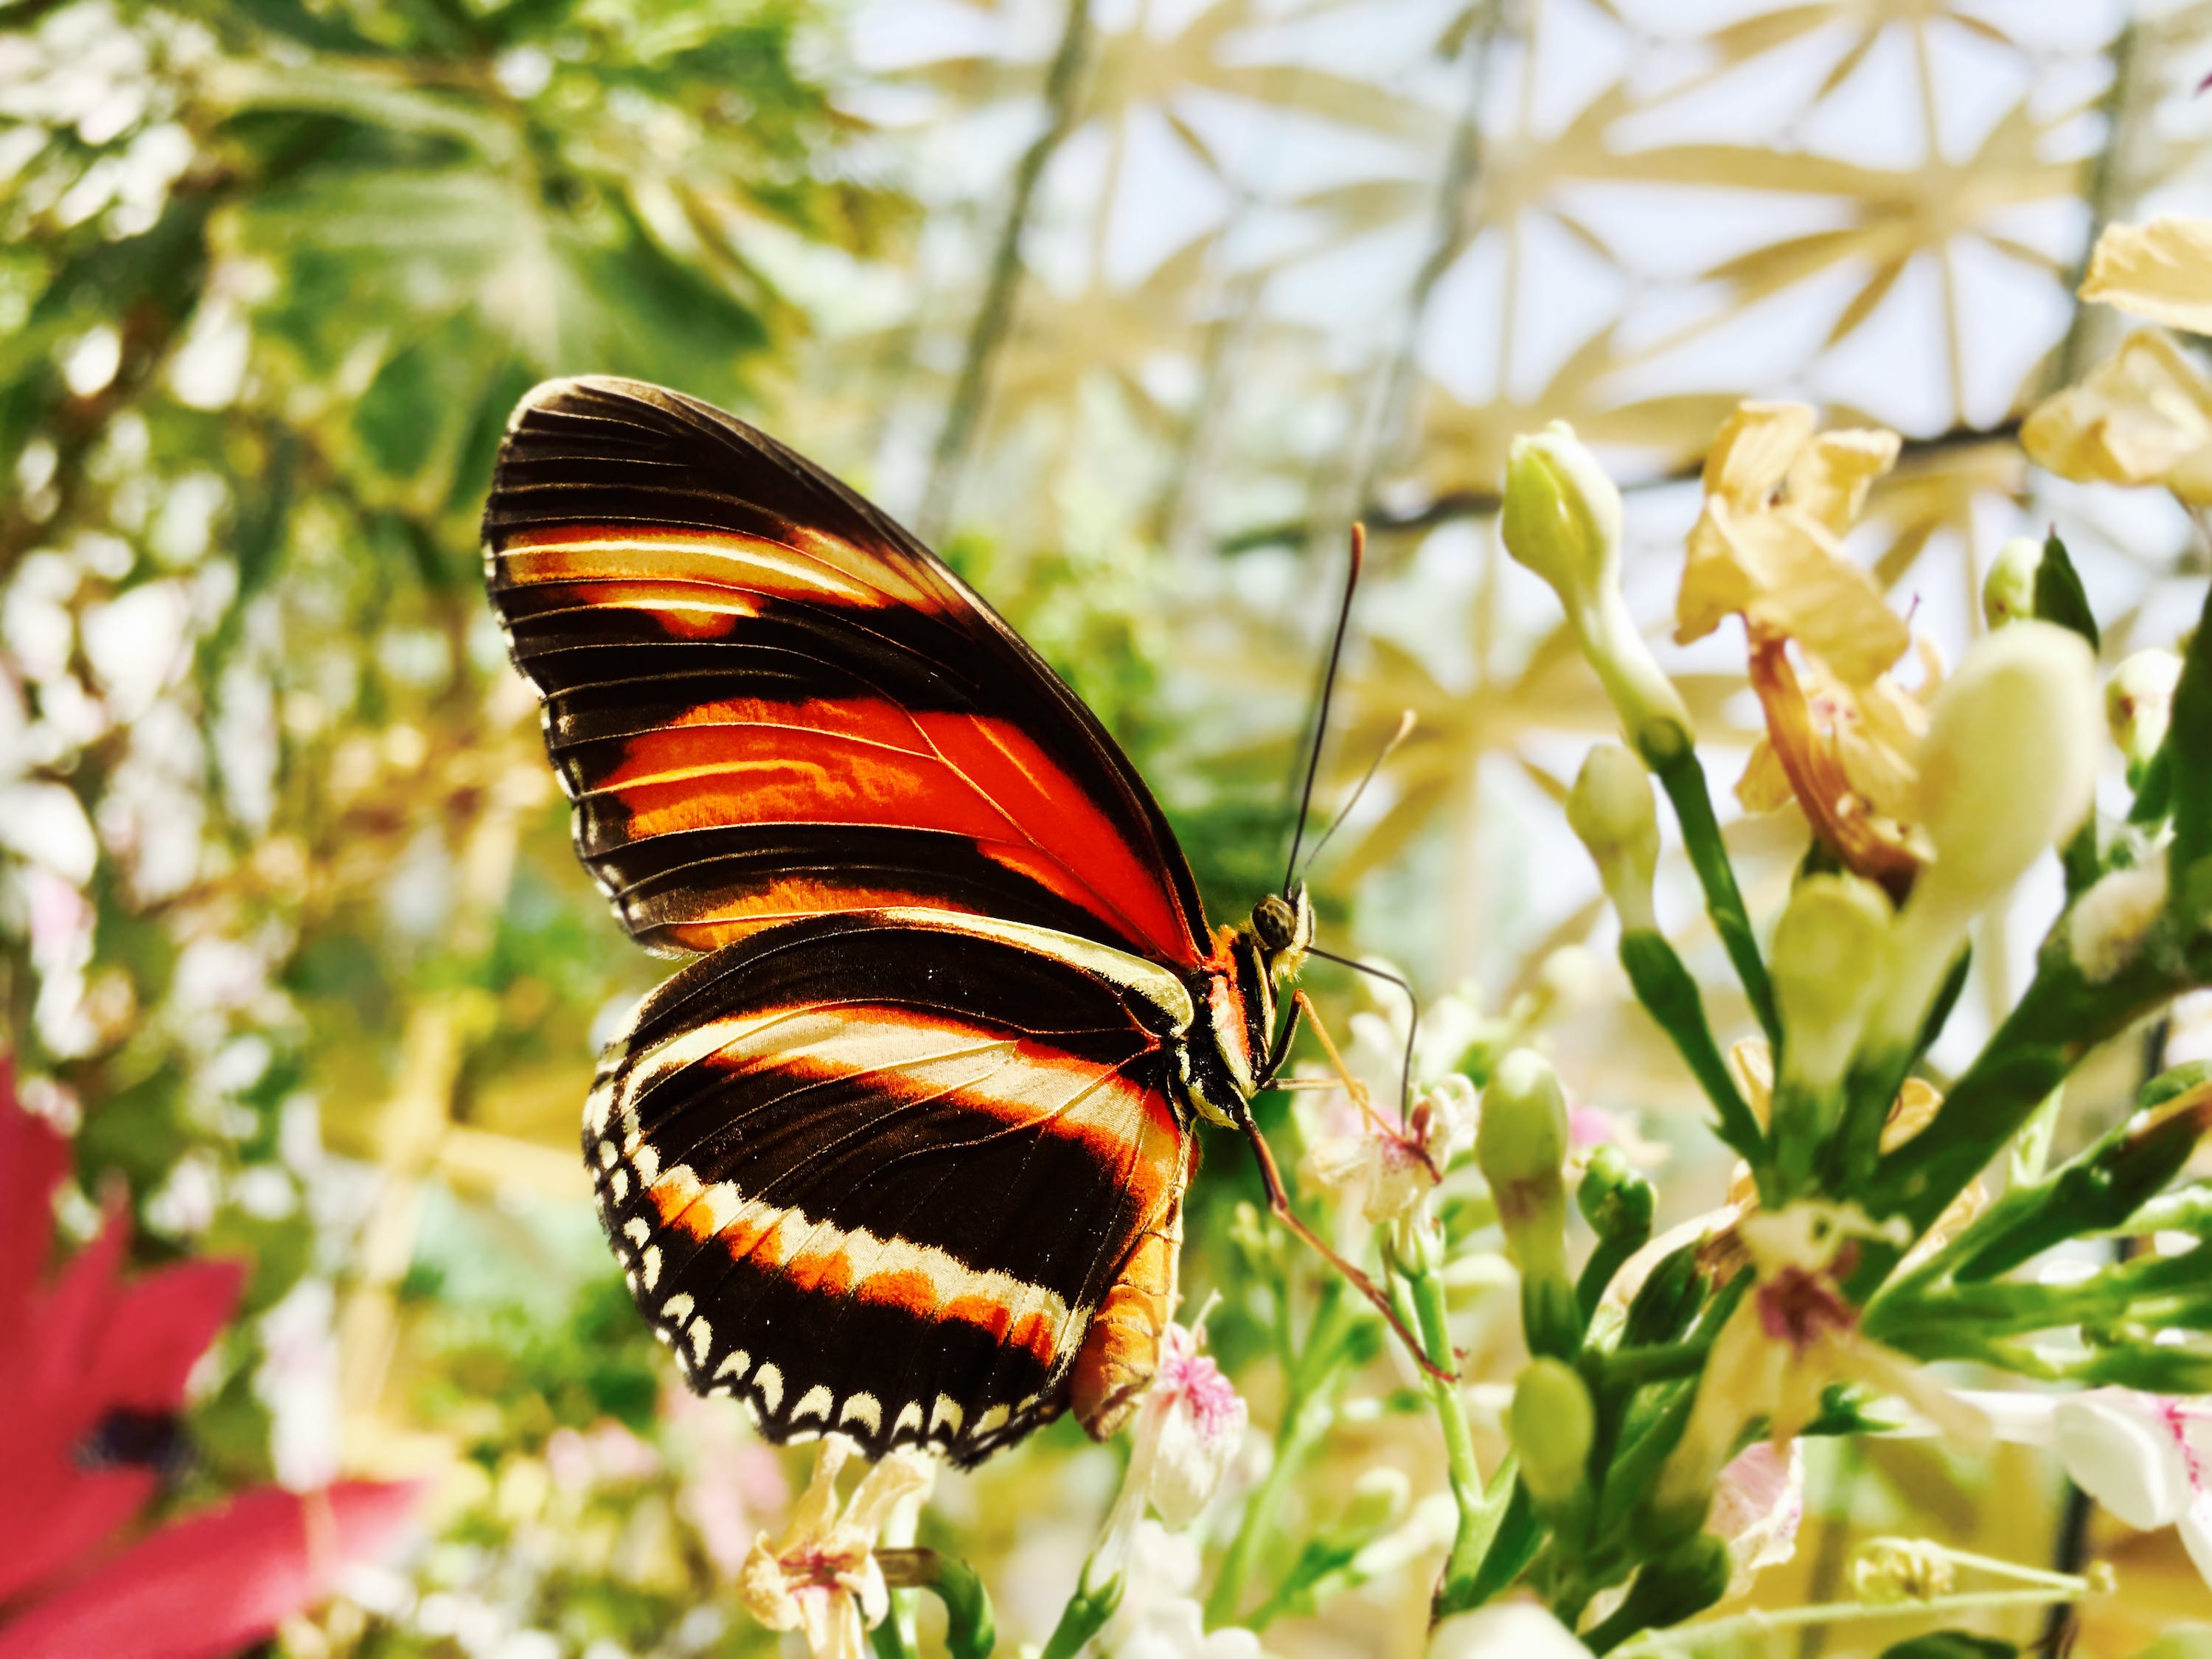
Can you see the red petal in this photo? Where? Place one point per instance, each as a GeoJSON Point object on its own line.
{"type": "Point", "coordinates": [54, 1511]}
{"type": "Point", "coordinates": [211, 1584]}
{"type": "Point", "coordinates": [161, 1324]}
{"type": "Point", "coordinates": [33, 1155]}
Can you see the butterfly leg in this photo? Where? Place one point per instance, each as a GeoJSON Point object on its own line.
{"type": "Point", "coordinates": [1279, 1201]}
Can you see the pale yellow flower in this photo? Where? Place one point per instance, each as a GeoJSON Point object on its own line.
{"type": "Point", "coordinates": [1768, 547]}
{"type": "Point", "coordinates": [1849, 755]}
{"type": "Point", "coordinates": [2143, 416]}
{"type": "Point", "coordinates": [2160, 271]}
{"type": "Point", "coordinates": [822, 1578]}
{"type": "Point", "coordinates": [1786, 1342]}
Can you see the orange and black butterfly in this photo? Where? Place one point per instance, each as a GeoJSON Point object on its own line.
{"type": "Point", "coordinates": [900, 1154]}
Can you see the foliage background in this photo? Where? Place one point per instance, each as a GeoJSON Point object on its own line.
{"type": "Point", "coordinates": [1131, 305]}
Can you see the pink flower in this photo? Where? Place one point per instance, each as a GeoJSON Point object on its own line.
{"type": "Point", "coordinates": [1188, 1430]}
{"type": "Point", "coordinates": [2146, 1458]}
{"type": "Point", "coordinates": [1756, 1509]}
{"type": "Point", "coordinates": [92, 1379]}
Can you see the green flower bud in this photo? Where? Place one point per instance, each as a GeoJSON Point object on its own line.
{"type": "Point", "coordinates": [1614, 1199]}
{"type": "Point", "coordinates": [1562, 520]}
{"type": "Point", "coordinates": [1553, 1424]}
{"type": "Point", "coordinates": [1562, 514]}
{"type": "Point", "coordinates": [1611, 814]}
{"type": "Point", "coordinates": [1520, 1139]}
{"type": "Point", "coordinates": [2008, 590]}
{"type": "Point", "coordinates": [1826, 951]}
{"type": "Point", "coordinates": [2139, 706]}
{"type": "Point", "coordinates": [1379, 1498]}
{"type": "Point", "coordinates": [1521, 1144]}
{"type": "Point", "coordinates": [2006, 769]}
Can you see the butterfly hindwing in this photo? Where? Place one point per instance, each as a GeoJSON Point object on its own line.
{"type": "Point", "coordinates": [875, 1175]}
{"type": "Point", "coordinates": [768, 701]}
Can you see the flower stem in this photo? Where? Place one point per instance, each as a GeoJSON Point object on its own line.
{"type": "Point", "coordinates": [1426, 1291]}
{"type": "Point", "coordinates": [1309, 1414]}
{"type": "Point", "coordinates": [1684, 780]}
{"type": "Point", "coordinates": [1670, 996]}
{"type": "Point", "coordinates": [1724, 1634]}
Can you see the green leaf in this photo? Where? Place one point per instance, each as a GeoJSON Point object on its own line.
{"type": "Point", "coordinates": [2058, 594]}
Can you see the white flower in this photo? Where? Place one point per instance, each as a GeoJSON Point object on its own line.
{"type": "Point", "coordinates": [1392, 1167]}
{"type": "Point", "coordinates": [1176, 1629]}
{"type": "Point", "coordinates": [2146, 1458]}
{"type": "Point", "coordinates": [822, 1578]}
{"type": "Point", "coordinates": [1506, 1630]}
{"type": "Point", "coordinates": [1189, 1431]}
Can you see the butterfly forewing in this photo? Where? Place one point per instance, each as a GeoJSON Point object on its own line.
{"type": "Point", "coordinates": [875, 1178]}
{"type": "Point", "coordinates": [768, 701]}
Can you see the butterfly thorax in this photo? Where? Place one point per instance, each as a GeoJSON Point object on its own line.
{"type": "Point", "coordinates": [1229, 1054]}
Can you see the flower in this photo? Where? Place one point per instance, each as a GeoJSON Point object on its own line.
{"type": "Point", "coordinates": [1561, 519]}
{"type": "Point", "coordinates": [1188, 1430]}
{"type": "Point", "coordinates": [2160, 271]}
{"type": "Point", "coordinates": [2008, 590]}
{"type": "Point", "coordinates": [1847, 753]}
{"type": "Point", "coordinates": [1756, 1509]}
{"type": "Point", "coordinates": [822, 1578]}
{"type": "Point", "coordinates": [1521, 1144]}
{"type": "Point", "coordinates": [2139, 706]}
{"type": "Point", "coordinates": [1552, 1424]}
{"type": "Point", "coordinates": [1785, 1343]}
{"type": "Point", "coordinates": [1522, 1629]}
{"type": "Point", "coordinates": [1158, 1617]}
{"type": "Point", "coordinates": [2143, 416]}
{"type": "Point", "coordinates": [92, 1374]}
{"type": "Point", "coordinates": [2108, 924]}
{"type": "Point", "coordinates": [1393, 1168]}
{"type": "Point", "coordinates": [1768, 545]}
{"type": "Point", "coordinates": [2146, 1458]}
{"type": "Point", "coordinates": [1825, 949]}
{"type": "Point", "coordinates": [2007, 767]}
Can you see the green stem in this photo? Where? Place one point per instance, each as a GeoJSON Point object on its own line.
{"type": "Point", "coordinates": [1083, 1617]}
{"type": "Point", "coordinates": [1670, 995]}
{"type": "Point", "coordinates": [1308, 1416]}
{"type": "Point", "coordinates": [1725, 1633]}
{"type": "Point", "coordinates": [1478, 1518]}
{"type": "Point", "coordinates": [1684, 781]}
{"type": "Point", "coordinates": [970, 1631]}
{"type": "Point", "coordinates": [1632, 1368]}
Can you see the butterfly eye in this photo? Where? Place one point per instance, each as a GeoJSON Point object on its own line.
{"type": "Point", "coordinates": [1274, 924]}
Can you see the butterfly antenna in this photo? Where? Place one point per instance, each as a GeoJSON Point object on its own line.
{"type": "Point", "coordinates": [1405, 730]}
{"type": "Point", "coordinates": [1412, 1024]}
{"type": "Point", "coordinates": [1328, 690]}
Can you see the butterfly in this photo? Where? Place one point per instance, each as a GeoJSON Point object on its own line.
{"type": "Point", "coordinates": [900, 1154]}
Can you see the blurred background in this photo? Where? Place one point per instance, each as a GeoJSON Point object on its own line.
{"type": "Point", "coordinates": [1131, 306]}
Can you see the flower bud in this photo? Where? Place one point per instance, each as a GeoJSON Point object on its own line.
{"type": "Point", "coordinates": [2108, 924]}
{"type": "Point", "coordinates": [2008, 590]}
{"type": "Point", "coordinates": [1614, 1199]}
{"type": "Point", "coordinates": [1379, 1498]}
{"type": "Point", "coordinates": [1521, 1143]}
{"type": "Point", "coordinates": [1562, 515]}
{"type": "Point", "coordinates": [1562, 520]}
{"type": "Point", "coordinates": [1521, 1139]}
{"type": "Point", "coordinates": [1611, 813]}
{"type": "Point", "coordinates": [2139, 706]}
{"type": "Point", "coordinates": [1826, 951]}
{"type": "Point", "coordinates": [1553, 1424]}
{"type": "Point", "coordinates": [2009, 763]}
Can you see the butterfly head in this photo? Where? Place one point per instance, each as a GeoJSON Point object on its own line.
{"type": "Point", "coordinates": [1283, 924]}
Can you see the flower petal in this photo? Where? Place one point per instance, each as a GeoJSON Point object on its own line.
{"type": "Point", "coordinates": [2118, 1447]}
{"type": "Point", "coordinates": [2160, 271]}
{"type": "Point", "coordinates": [213, 1584]}
{"type": "Point", "coordinates": [2143, 417]}
{"type": "Point", "coordinates": [33, 1155]}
